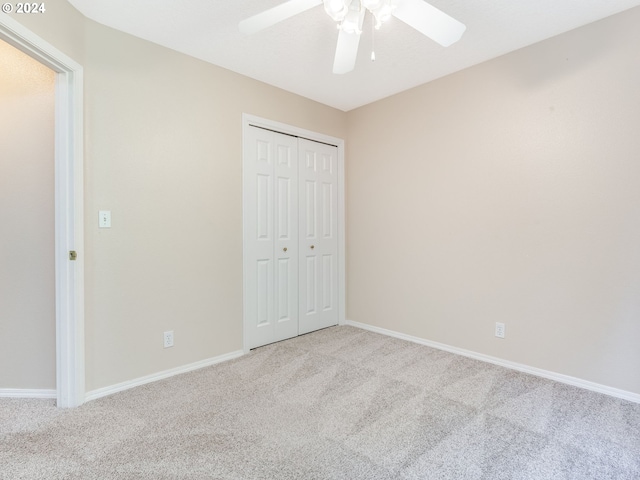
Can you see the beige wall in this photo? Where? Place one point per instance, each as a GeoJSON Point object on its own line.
{"type": "Point", "coordinates": [164, 153]}
{"type": "Point", "coordinates": [27, 282]}
{"type": "Point", "coordinates": [508, 192]}
{"type": "Point", "coordinates": [165, 156]}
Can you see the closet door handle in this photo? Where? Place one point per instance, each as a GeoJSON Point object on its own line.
{"type": "Point", "coordinates": [312, 247]}
{"type": "Point", "coordinates": [284, 249]}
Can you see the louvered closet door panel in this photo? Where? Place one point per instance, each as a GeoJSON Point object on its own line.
{"type": "Point", "coordinates": [271, 238]}
{"type": "Point", "coordinates": [318, 198]}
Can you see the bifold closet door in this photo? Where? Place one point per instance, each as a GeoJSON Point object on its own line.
{"type": "Point", "coordinates": [318, 204]}
{"type": "Point", "coordinates": [271, 236]}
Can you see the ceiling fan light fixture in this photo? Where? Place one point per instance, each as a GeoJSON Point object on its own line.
{"type": "Point", "coordinates": [372, 4]}
{"type": "Point", "coordinates": [383, 11]}
{"type": "Point", "coordinates": [352, 23]}
{"type": "Point", "coordinates": [337, 9]}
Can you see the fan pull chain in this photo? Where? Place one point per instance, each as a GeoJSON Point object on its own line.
{"type": "Point", "coordinates": [373, 32]}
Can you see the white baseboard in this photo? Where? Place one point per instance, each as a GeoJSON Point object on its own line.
{"type": "Point", "coordinates": [558, 377]}
{"type": "Point", "coordinates": [27, 393]}
{"type": "Point", "coordinates": [104, 391]}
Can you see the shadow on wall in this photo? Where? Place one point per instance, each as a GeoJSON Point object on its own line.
{"type": "Point", "coordinates": [577, 53]}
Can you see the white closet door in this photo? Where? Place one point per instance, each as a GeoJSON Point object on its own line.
{"type": "Point", "coordinates": [318, 201]}
{"type": "Point", "coordinates": [271, 237]}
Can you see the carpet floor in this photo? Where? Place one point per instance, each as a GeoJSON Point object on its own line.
{"type": "Point", "coordinates": [340, 403]}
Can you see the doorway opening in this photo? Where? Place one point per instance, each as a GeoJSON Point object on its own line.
{"type": "Point", "coordinates": [27, 267]}
{"type": "Point", "coordinates": [68, 183]}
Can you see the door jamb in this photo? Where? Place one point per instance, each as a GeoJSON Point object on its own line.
{"type": "Point", "coordinates": [69, 224]}
{"type": "Point", "coordinates": [247, 121]}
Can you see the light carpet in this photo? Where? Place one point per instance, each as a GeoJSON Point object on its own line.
{"type": "Point", "coordinates": [340, 403]}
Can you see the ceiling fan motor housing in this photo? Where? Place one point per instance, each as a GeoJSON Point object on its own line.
{"type": "Point", "coordinates": [349, 12]}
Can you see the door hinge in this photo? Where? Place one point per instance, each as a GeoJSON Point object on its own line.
{"type": "Point", "coordinates": [73, 255]}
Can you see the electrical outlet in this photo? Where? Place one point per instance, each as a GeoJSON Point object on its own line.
{"type": "Point", "coordinates": [168, 339]}
{"type": "Point", "coordinates": [500, 330]}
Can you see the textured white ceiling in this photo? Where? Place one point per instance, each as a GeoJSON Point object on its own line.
{"type": "Point", "coordinates": [297, 54]}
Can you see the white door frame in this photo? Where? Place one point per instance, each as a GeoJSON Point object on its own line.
{"type": "Point", "coordinates": [69, 225]}
{"type": "Point", "coordinates": [247, 121]}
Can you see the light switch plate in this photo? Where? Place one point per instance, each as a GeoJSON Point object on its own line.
{"type": "Point", "coordinates": [105, 219]}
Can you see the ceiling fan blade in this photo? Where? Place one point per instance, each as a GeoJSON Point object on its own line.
{"type": "Point", "coordinates": [348, 41]}
{"type": "Point", "coordinates": [429, 21]}
{"type": "Point", "coordinates": [276, 14]}
{"type": "Point", "coordinates": [346, 52]}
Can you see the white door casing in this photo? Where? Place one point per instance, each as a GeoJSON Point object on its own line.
{"type": "Point", "coordinates": [318, 184]}
{"type": "Point", "coordinates": [69, 225]}
{"type": "Point", "coordinates": [279, 210]}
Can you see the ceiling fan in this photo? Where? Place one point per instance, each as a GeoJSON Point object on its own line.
{"type": "Point", "coordinates": [349, 14]}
